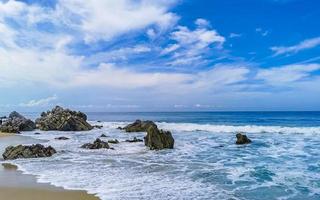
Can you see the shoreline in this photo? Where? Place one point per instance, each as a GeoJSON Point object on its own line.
{"type": "Point", "coordinates": [18, 186]}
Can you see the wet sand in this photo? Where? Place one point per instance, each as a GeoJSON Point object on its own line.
{"type": "Point", "coordinates": [17, 186]}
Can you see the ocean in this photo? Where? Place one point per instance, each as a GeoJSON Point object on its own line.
{"type": "Point", "coordinates": [282, 162]}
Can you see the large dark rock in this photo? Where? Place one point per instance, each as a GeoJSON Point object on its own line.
{"type": "Point", "coordinates": [97, 144]}
{"type": "Point", "coordinates": [16, 123]}
{"type": "Point", "coordinates": [242, 139]}
{"type": "Point", "coordinates": [33, 151]}
{"type": "Point", "coordinates": [158, 139]}
{"type": "Point", "coordinates": [139, 126]}
{"type": "Point", "coordinates": [63, 120]}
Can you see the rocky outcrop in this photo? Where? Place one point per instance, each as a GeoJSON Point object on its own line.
{"type": "Point", "coordinates": [158, 139]}
{"type": "Point", "coordinates": [139, 126]}
{"type": "Point", "coordinates": [97, 144]}
{"type": "Point", "coordinates": [33, 151]}
{"type": "Point", "coordinates": [16, 123]}
{"type": "Point", "coordinates": [134, 140]}
{"type": "Point", "coordinates": [242, 139]}
{"type": "Point", "coordinates": [63, 120]}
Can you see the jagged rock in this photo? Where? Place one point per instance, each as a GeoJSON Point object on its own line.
{"type": "Point", "coordinates": [63, 120]}
{"type": "Point", "coordinates": [103, 135]}
{"type": "Point", "coordinates": [242, 139]}
{"type": "Point", "coordinates": [134, 140]}
{"type": "Point", "coordinates": [97, 144]}
{"type": "Point", "coordinates": [115, 141]}
{"type": "Point", "coordinates": [158, 139]}
{"type": "Point", "coordinates": [62, 138]}
{"type": "Point", "coordinates": [139, 126]}
{"type": "Point", "coordinates": [16, 123]}
{"type": "Point", "coordinates": [33, 151]}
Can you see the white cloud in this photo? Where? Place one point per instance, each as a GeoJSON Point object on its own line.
{"type": "Point", "coordinates": [40, 102]}
{"type": "Point", "coordinates": [234, 35]}
{"type": "Point", "coordinates": [304, 45]}
{"type": "Point", "coordinates": [106, 19]}
{"type": "Point", "coordinates": [262, 32]}
{"type": "Point", "coordinates": [190, 45]}
{"type": "Point", "coordinates": [287, 74]}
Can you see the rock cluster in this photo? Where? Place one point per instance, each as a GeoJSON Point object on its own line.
{"type": "Point", "coordinates": [242, 139]}
{"type": "Point", "coordinates": [97, 144]}
{"type": "Point", "coordinates": [138, 126]}
{"type": "Point", "coordinates": [16, 123]}
{"type": "Point", "coordinates": [158, 139]}
{"type": "Point", "coordinates": [63, 120]}
{"type": "Point", "coordinates": [33, 151]}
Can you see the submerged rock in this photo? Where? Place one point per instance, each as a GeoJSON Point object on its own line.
{"type": "Point", "coordinates": [134, 140]}
{"type": "Point", "coordinates": [115, 141]}
{"type": "Point", "coordinates": [16, 123]}
{"type": "Point", "coordinates": [242, 139]}
{"type": "Point", "coordinates": [103, 135]}
{"type": "Point", "coordinates": [97, 144]}
{"type": "Point", "coordinates": [63, 120]}
{"type": "Point", "coordinates": [33, 151]}
{"type": "Point", "coordinates": [139, 126]}
{"type": "Point", "coordinates": [158, 139]}
{"type": "Point", "coordinates": [62, 138]}
{"type": "Point", "coordinates": [98, 126]}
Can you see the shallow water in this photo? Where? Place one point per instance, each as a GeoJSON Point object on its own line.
{"type": "Point", "coordinates": [283, 162]}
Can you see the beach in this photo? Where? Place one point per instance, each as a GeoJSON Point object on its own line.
{"type": "Point", "coordinates": [15, 185]}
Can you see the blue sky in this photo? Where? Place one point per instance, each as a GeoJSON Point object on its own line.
{"type": "Point", "coordinates": [177, 55]}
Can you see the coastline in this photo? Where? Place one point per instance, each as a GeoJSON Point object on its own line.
{"type": "Point", "coordinates": [15, 185]}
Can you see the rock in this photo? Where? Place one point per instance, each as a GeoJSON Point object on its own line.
{"type": "Point", "coordinates": [33, 151]}
{"type": "Point", "coordinates": [158, 139]}
{"type": "Point", "coordinates": [134, 140]}
{"type": "Point", "coordinates": [16, 123]}
{"type": "Point", "coordinates": [9, 166]}
{"type": "Point", "coordinates": [37, 133]}
{"type": "Point", "coordinates": [115, 141]}
{"type": "Point", "coordinates": [98, 126]}
{"type": "Point", "coordinates": [62, 138]}
{"type": "Point", "coordinates": [97, 144]}
{"type": "Point", "coordinates": [139, 126]}
{"type": "Point", "coordinates": [242, 139]}
{"type": "Point", "coordinates": [99, 121]}
{"type": "Point", "coordinates": [63, 120]}
{"type": "Point", "coordinates": [103, 135]}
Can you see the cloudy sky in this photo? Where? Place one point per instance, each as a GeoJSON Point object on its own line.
{"type": "Point", "coordinates": [160, 55]}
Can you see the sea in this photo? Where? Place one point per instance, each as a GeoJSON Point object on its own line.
{"type": "Point", "coordinates": [281, 163]}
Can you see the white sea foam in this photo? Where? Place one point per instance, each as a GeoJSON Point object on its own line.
{"type": "Point", "coordinates": [232, 129]}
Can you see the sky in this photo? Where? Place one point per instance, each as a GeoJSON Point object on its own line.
{"type": "Point", "coordinates": [160, 55]}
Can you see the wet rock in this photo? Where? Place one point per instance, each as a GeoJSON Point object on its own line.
{"type": "Point", "coordinates": [62, 138]}
{"type": "Point", "coordinates": [9, 166]}
{"type": "Point", "coordinates": [158, 139]}
{"type": "Point", "coordinates": [139, 126]}
{"type": "Point", "coordinates": [115, 141]}
{"type": "Point", "coordinates": [103, 135]}
{"type": "Point", "coordinates": [16, 123]}
{"type": "Point", "coordinates": [134, 140]}
{"type": "Point", "coordinates": [98, 126]}
{"type": "Point", "coordinates": [97, 144]}
{"type": "Point", "coordinates": [33, 151]}
{"type": "Point", "coordinates": [37, 133]}
{"type": "Point", "coordinates": [63, 120]}
{"type": "Point", "coordinates": [242, 139]}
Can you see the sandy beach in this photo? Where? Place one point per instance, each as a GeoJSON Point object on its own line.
{"type": "Point", "coordinates": [17, 186]}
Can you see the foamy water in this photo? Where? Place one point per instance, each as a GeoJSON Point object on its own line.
{"type": "Point", "coordinates": [281, 163]}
